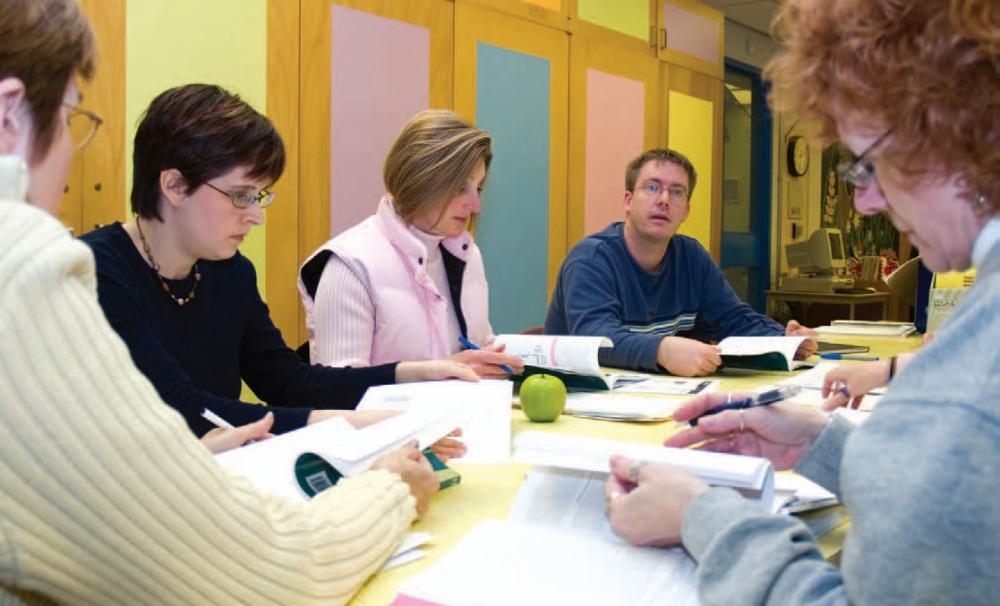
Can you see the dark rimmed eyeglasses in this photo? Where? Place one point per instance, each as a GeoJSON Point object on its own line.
{"type": "Point", "coordinates": [82, 125]}
{"type": "Point", "coordinates": [244, 199]}
{"type": "Point", "coordinates": [860, 172]}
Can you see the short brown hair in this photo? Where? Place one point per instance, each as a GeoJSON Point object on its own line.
{"type": "Point", "coordinates": [203, 131]}
{"type": "Point", "coordinates": [44, 43]}
{"type": "Point", "coordinates": [660, 155]}
{"type": "Point", "coordinates": [430, 161]}
{"type": "Point", "coordinates": [926, 71]}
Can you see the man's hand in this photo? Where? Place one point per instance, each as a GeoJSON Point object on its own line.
{"type": "Point", "coordinates": [688, 358]}
{"type": "Point", "coordinates": [807, 347]}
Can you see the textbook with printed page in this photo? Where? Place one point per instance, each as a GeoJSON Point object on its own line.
{"type": "Point", "coordinates": [571, 358]}
{"type": "Point", "coordinates": [557, 547]}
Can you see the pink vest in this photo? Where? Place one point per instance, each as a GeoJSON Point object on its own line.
{"type": "Point", "coordinates": [411, 316]}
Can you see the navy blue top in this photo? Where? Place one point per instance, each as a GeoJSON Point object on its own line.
{"type": "Point", "coordinates": [196, 354]}
{"type": "Point", "coordinates": [603, 291]}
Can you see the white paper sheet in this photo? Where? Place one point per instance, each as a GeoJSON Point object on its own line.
{"type": "Point", "coordinates": [481, 410]}
{"type": "Point", "coordinates": [620, 408]}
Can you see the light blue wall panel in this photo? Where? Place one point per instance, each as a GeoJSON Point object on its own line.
{"type": "Point", "coordinates": [512, 103]}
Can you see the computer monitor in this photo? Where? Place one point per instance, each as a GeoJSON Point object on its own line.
{"type": "Point", "coordinates": [823, 253]}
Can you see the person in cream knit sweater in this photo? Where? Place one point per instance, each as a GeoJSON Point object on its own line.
{"type": "Point", "coordinates": [105, 495]}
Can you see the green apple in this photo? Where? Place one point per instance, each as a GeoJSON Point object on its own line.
{"type": "Point", "coordinates": [543, 398]}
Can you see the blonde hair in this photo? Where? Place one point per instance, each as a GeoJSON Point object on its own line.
{"type": "Point", "coordinates": [431, 160]}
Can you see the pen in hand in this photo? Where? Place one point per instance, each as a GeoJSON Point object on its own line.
{"type": "Point", "coordinates": [782, 392]}
{"type": "Point", "coordinates": [470, 345]}
{"type": "Point", "coordinates": [218, 421]}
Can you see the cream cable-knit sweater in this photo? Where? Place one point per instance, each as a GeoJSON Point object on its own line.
{"type": "Point", "coordinates": [106, 497]}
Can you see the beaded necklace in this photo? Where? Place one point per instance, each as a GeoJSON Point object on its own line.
{"type": "Point", "coordinates": [163, 281]}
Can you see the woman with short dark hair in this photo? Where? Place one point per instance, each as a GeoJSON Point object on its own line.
{"type": "Point", "coordinates": [175, 287]}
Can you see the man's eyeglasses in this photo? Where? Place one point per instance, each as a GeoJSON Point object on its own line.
{"type": "Point", "coordinates": [653, 189]}
{"type": "Point", "coordinates": [82, 125]}
{"type": "Point", "coordinates": [860, 172]}
{"type": "Point", "coordinates": [244, 199]}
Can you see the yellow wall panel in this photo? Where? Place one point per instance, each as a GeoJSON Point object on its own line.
{"type": "Point", "coordinates": [690, 133]}
{"type": "Point", "coordinates": [629, 17]}
{"type": "Point", "coordinates": [173, 42]}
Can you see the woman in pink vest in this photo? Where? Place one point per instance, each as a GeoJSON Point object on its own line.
{"type": "Point", "coordinates": [407, 282]}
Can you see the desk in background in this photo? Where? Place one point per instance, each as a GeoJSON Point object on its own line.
{"type": "Point", "coordinates": [851, 300]}
{"type": "Point", "coordinates": [488, 491]}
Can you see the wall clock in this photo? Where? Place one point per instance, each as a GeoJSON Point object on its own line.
{"type": "Point", "coordinates": [797, 156]}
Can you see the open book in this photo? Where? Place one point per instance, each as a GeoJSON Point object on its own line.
{"type": "Point", "coordinates": [762, 353]}
{"type": "Point", "coordinates": [751, 476]}
{"type": "Point", "coordinates": [556, 548]}
{"type": "Point", "coordinates": [572, 359]}
{"type": "Point", "coordinates": [271, 465]}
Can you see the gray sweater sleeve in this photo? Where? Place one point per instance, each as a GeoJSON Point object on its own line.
{"type": "Point", "coordinates": [821, 463]}
{"type": "Point", "coordinates": [776, 556]}
{"type": "Point", "coordinates": [748, 556]}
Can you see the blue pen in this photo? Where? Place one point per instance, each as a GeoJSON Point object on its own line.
{"type": "Point", "coordinates": [782, 392]}
{"type": "Point", "coordinates": [470, 345]}
{"type": "Point", "coordinates": [843, 356]}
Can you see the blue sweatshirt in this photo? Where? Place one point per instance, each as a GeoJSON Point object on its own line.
{"type": "Point", "coordinates": [196, 354]}
{"type": "Point", "coordinates": [603, 291]}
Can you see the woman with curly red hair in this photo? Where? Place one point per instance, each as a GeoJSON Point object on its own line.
{"type": "Point", "coordinates": [913, 90]}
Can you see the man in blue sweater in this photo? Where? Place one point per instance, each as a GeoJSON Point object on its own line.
{"type": "Point", "coordinates": [658, 295]}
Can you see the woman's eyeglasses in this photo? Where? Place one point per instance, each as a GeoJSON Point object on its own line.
{"type": "Point", "coordinates": [860, 172]}
{"type": "Point", "coordinates": [82, 125]}
{"type": "Point", "coordinates": [244, 199]}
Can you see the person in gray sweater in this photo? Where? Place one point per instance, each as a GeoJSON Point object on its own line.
{"type": "Point", "coordinates": [905, 86]}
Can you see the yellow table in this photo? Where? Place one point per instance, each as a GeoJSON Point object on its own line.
{"type": "Point", "coordinates": [488, 491]}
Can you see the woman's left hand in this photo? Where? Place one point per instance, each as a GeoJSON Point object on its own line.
{"type": "Point", "coordinates": [448, 447]}
{"type": "Point", "coordinates": [647, 501]}
{"type": "Point", "coordinates": [222, 439]}
{"type": "Point", "coordinates": [487, 361]}
{"type": "Point", "coordinates": [434, 370]}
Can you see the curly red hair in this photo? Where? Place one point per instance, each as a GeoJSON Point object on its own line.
{"type": "Point", "coordinates": [929, 70]}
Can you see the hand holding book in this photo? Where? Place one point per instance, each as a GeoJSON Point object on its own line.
{"type": "Point", "coordinates": [647, 501]}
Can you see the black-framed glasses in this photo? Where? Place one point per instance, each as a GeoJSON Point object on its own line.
{"type": "Point", "coordinates": [244, 199]}
{"type": "Point", "coordinates": [860, 172]}
{"type": "Point", "coordinates": [653, 189]}
{"type": "Point", "coordinates": [82, 125]}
